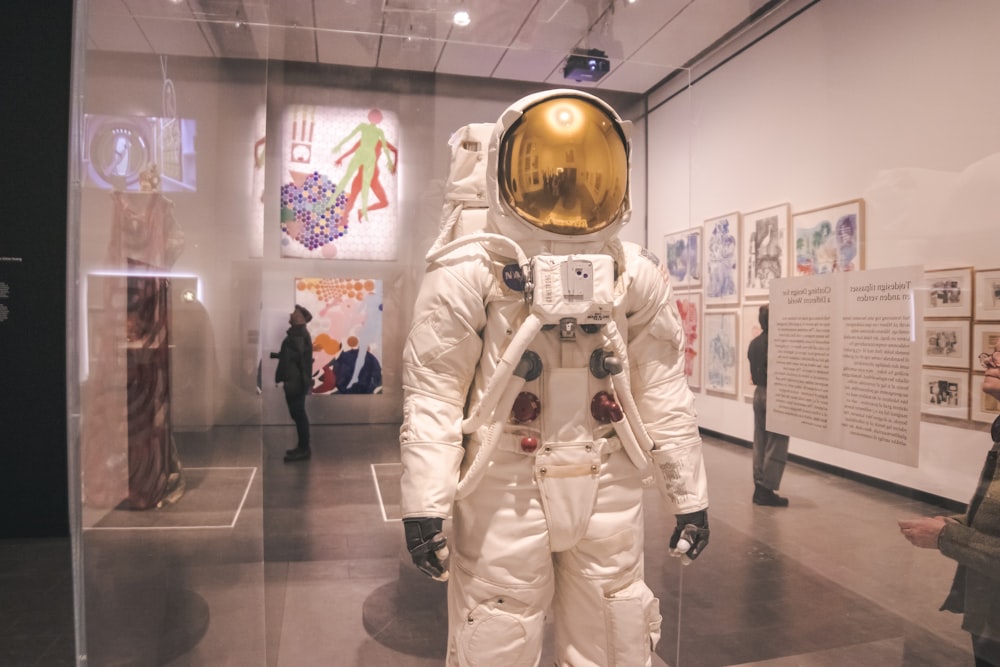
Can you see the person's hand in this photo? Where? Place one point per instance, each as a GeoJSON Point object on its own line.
{"type": "Point", "coordinates": [922, 532]}
{"type": "Point", "coordinates": [690, 537]}
{"type": "Point", "coordinates": [427, 546]}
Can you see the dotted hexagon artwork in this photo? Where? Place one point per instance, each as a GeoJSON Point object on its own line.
{"type": "Point", "coordinates": [312, 212]}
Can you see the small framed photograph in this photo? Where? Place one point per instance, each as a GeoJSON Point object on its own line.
{"type": "Point", "coordinates": [984, 339]}
{"type": "Point", "coordinates": [948, 292]}
{"type": "Point", "coordinates": [946, 343]}
{"type": "Point", "coordinates": [988, 295]}
{"type": "Point", "coordinates": [765, 249]}
{"type": "Point", "coordinates": [829, 239]}
{"type": "Point", "coordinates": [945, 393]}
{"type": "Point", "coordinates": [721, 348]}
{"type": "Point", "coordinates": [722, 260]}
{"type": "Point", "coordinates": [689, 308]}
{"type": "Point", "coordinates": [683, 257]}
{"type": "Point", "coordinates": [985, 408]}
{"type": "Point", "coordinates": [749, 329]}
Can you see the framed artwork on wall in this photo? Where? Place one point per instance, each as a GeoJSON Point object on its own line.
{"type": "Point", "coordinates": [749, 329]}
{"type": "Point", "coordinates": [683, 258]}
{"type": "Point", "coordinates": [765, 249]}
{"type": "Point", "coordinates": [722, 260]}
{"type": "Point", "coordinates": [945, 393]}
{"type": "Point", "coordinates": [984, 339]}
{"type": "Point", "coordinates": [829, 239]}
{"type": "Point", "coordinates": [689, 308]}
{"type": "Point", "coordinates": [948, 292]}
{"type": "Point", "coordinates": [721, 348]}
{"type": "Point", "coordinates": [946, 343]}
{"type": "Point", "coordinates": [346, 331]}
{"type": "Point", "coordinates": [984, 408]}
{"type": "Point", "coordinates": [988, 294]}
{"type": "Point", "coordinates": [339, 189]}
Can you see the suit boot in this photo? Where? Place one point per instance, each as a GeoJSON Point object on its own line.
{"type": "Point", "coordinates": [765, 496]}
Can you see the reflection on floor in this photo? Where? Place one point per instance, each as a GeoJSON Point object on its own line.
{"type": "Point", "coordinates": [313, 572]}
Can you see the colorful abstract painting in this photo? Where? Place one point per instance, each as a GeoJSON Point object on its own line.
{"type": "Point", "coordinates": [689, 308]}
{"type": "Point", "coordinates": [765, 249]}
{"type": "Point", "coordinates": [346, 330]}
{"type": "Point", "coordinates": [722, 272]}
{"type": "Point", "coordinates": [339, 189]}
{"type": "Point", "coordinates": [830, 239]}
{"type": "Point", "coordinates": [722, 353]}
{"type": "Point", "coordinates": [684, 258]}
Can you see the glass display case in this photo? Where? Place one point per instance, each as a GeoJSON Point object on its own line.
{"type": "Point", "coordinates": [233, 159]}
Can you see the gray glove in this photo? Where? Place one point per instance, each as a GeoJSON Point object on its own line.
{"type": "Point", "coordinates": [691, 535]}
{"type": "Point", "coordinates": [427, 546]}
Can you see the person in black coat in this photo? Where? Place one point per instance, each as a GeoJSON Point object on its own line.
{"type": "Point", "coordinates": [294, 371]}
{"type": "Point", "coordinates": [770, 450]}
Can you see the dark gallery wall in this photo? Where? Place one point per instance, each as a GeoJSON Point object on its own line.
{"type": "Point", "coordinates": [37, 39]}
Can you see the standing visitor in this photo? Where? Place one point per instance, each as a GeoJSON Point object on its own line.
{"type": "Point", "coordinates": [770, 450]}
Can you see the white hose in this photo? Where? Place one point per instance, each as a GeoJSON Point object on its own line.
{"type": "Point", "coordinates": [623, 392]}
{"type": "Point", "coordinates": [481, 461]}
{"type": "Point", "coordinates": [484, 410]}
{"type": "Point", "coordinates": [481, 237]}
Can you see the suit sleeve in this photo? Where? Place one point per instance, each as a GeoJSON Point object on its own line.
{"type": "Point", "coordinates": [440, 358]}
{"type": "Point", "coordinates": [656, 362]}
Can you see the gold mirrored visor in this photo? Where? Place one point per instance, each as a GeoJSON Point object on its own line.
{"type": "Point", "coordinates": [563, 166]}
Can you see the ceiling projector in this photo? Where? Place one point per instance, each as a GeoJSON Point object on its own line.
{"type": "Point", "coordinates": [586, 65]}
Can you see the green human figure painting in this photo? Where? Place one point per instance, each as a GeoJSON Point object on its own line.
{"type": "Point", "coordinates": [339, 199]}
{"type": "Point", "coordinates": [365, 154]}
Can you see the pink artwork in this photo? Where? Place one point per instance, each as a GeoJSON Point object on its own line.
{"type": "Point", "coordinates": [689, 308]}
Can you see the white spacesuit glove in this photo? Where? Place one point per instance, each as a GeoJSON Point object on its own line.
{"type": "Point", "coordinates": [690, 536]}
{"type": "Point", "coordinates": [427, 546]}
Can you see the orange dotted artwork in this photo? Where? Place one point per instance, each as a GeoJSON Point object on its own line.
{"type": "Point", "coordinates": [332, 291]}
{"type": "Point", "coordinates": [347, 333]}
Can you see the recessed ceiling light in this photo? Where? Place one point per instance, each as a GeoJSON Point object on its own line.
{"type": "Point", "coordinates": [462, 18]}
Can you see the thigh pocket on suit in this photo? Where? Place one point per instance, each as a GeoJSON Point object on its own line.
{"type": "Point", "coordinates": [497, 632]}
{"type": "Point", "coordinates": [633, 623]}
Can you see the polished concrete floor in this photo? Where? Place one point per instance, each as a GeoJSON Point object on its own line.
{"type": "Point", "coordinates": [300, 565]}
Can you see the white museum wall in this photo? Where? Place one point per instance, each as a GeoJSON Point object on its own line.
{"type": "Point", "coordinates": [892, 101]}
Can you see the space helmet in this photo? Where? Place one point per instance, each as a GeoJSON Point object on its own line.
{"type": "Point", "coordinates": [559, 168]}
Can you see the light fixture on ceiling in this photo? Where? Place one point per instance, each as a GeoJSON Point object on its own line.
{"type": "Point", "coordinates": [462, 18]}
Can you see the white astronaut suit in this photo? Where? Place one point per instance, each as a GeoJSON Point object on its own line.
{"type": "Point", "coordinates": [544, 381]}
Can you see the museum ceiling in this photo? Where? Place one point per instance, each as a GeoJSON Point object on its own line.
{"type": "Point", "coordinates": [646, 41]}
